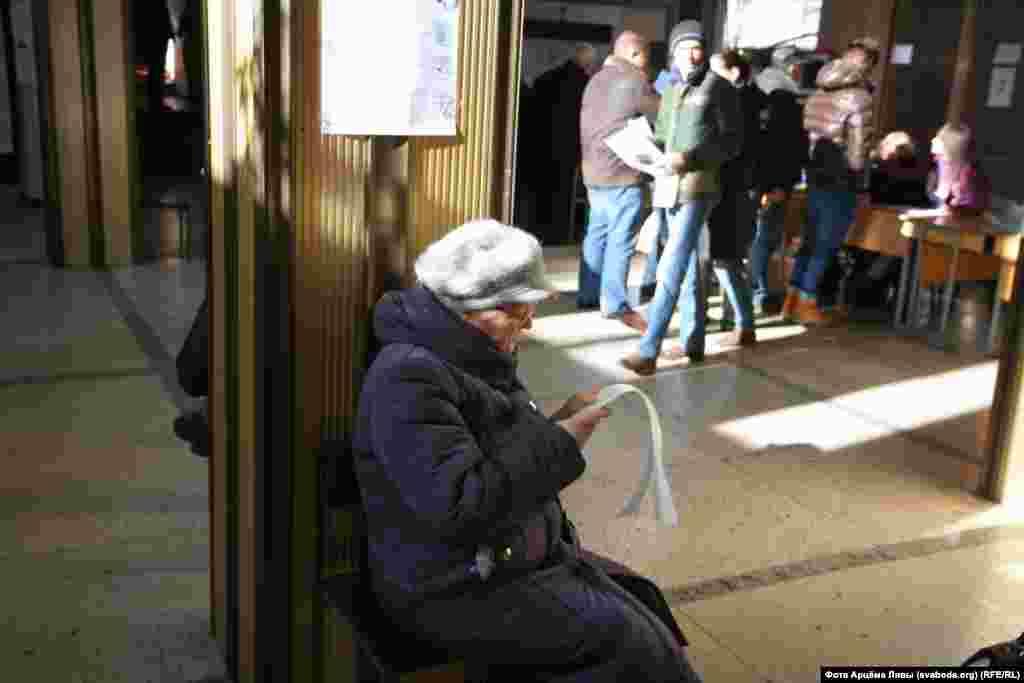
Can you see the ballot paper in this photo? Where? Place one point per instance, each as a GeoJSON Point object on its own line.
{"type": "Point", "coordinates": [653, 475]}
{"type": "Point", "coordinates": [634, 144]}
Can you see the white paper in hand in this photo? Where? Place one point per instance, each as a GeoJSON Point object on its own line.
{"type": "Point", "coordinates": [635, 146]}
{"type": "Point", "coordinates": [654, 468]}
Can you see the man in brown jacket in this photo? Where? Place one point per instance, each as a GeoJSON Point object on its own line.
{"type": "Point", "coordinates": [620, 91]}
{"type": "Point", "coordinates": [837, 118]}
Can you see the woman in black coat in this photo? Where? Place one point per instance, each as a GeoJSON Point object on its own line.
{"type": "Point", "coordinates": [468, 546]}
{"type": "Point", "coordinates": [731, 222]}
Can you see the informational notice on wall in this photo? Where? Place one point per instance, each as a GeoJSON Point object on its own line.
{"type": "Point", "coordinates": [388, 67]}
{"type": "Point", "coordinates": [1007, 53]}
{"type": "Point", "coordinates": [902, 53]}
{"type": "Point", "coordinates": [1000, 92]}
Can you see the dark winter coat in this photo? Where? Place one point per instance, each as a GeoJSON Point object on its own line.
{"type": "Point", "coordinates": [784, 142]}
{"type": "Point", "coordinates": [731, 222]}
{"type": "Point", "coordinates": [838, 120]}
{"type": "Point", "coordinates": [452, 456]}
{"type": "Point", "coordinates": [704, 122]}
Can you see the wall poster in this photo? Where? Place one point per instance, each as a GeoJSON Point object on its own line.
{"type": "Point", "coordinates": [389, 67]}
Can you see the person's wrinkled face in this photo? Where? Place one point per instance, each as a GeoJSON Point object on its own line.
{"type": "Point", "coordinates": [688, 56]}
{"type": "Point", "coordinates": [505, 324]}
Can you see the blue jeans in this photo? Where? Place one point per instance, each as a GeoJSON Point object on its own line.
{"type": "Point", "coordinates": [732, 276]}
{"type": "Point", "coordinates": [678, 263]}
{"type": "Point", "coordinates": [767, 238]}
{"type": "Point", "coordinates": [608, 246]}
{"type": "Point", "coordinates": [830, 213]}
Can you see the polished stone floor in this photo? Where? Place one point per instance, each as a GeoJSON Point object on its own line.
{"type": "Point", "coordinates": [821, 480]}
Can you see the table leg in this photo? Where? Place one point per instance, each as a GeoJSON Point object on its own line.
{"type": "Point", "coordinates": [913, 295]}
{"type": "Point", "coordinates": [901, 293]}
{"type": "Point", "coordinates": [997, 307]}
{"type": "Point", "coordinates": [947, 298]}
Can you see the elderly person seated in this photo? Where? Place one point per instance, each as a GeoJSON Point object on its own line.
{"type": "Point", "coordinates": [469, 548]}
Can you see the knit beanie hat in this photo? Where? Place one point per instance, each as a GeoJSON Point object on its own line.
{"type": "Point", "coordinates": [484, 264]}
{"type": "Point", "coordinates": [685, 30]}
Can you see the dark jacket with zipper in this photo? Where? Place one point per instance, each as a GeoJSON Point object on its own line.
{"type": "Point", "coordinates": [703, 121]}
{"type": "Point", "coordinates": [452, 455]}
{"type": "Point", "coordinates": [784, 143]}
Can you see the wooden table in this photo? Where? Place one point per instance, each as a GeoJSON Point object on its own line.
{"type": "Point", "coordinates": [879, 228]}
{"type": "Point", "coordinates": [977, 237]}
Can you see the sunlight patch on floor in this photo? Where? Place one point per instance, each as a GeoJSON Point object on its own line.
{"type": "Point", "coordinates": [920, 401]}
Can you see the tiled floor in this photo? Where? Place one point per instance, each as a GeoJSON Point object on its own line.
{"type": "Point", "coordinates": [104, 544]}
{"type": "Point", "coordinates": [820, 481]}
{"type": "Point", "coordinates": [818, 478]}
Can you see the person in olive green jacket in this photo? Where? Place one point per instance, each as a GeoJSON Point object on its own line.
{"type": "Point", "coordinates": [701, 126]}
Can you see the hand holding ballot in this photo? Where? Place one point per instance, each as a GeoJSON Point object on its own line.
{"type": "Point", "coordinates": [635, 145]}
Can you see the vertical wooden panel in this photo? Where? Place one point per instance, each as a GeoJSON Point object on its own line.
{"type": "Point", "coordinates": [452, 181]}
{"type": "Point", "coordinates": [220, 117]}
{"type": "Point", "coordinates": [247, 93]}
{"type": "Point", "coordinates": [69, 121]}
{"type": "Point", "coordinates": [330, 317]}
{"type": "Point", "coordinates": [115, 137]}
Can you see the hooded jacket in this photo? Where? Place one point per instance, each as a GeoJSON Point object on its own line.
{"type": "Point", "coordinates": [452, 456]}
{"type": "Point", "coordinates": [784, 140]}
{"type": "Point", "coordinates": [617, 93]}
{"type": "Point", "coordinates": [838, 121]}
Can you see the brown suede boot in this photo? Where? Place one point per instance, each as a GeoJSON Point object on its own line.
{"type": "Point", "coordinates": [808, 313]}
{"type": "Point", "coordinates": [789, 305]}
{"type": "Point", "coordinates": [639, 364]}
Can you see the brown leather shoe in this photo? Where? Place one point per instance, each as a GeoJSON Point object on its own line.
{"type": "Point", "coordinates": [808, 313]}
{"type": "Point", "coordinates": [639, 364]}
{"type": "Point", "coordinates": [790, 304]}
{"type": "Point", "coordinates": [679, 353]}
{"type": "Point", "coordinates": [742, 337]}
{"type": "Point", "coordinates": [633, 320]}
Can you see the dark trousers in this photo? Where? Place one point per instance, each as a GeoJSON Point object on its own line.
{"type": "Point", "coordinates": [586, 618]}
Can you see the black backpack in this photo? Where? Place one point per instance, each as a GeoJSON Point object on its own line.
{"type": "Point", "coordinates": [1007, 655]}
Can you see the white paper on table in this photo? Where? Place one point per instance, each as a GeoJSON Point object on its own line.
{"type": "Point", "coordinates": [1000, 91]}
{"type": "Point", "coordinates": [654, 468]}
{"type": "Point", "coordinates": [924, 213]}
{"type": "Point", "coordinates": [634, 144]}
{"type": "Point", "coordinates": [1007, 53]}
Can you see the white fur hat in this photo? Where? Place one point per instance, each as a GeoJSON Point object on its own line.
{"type": "Point", "coordinates": [484, 264]}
